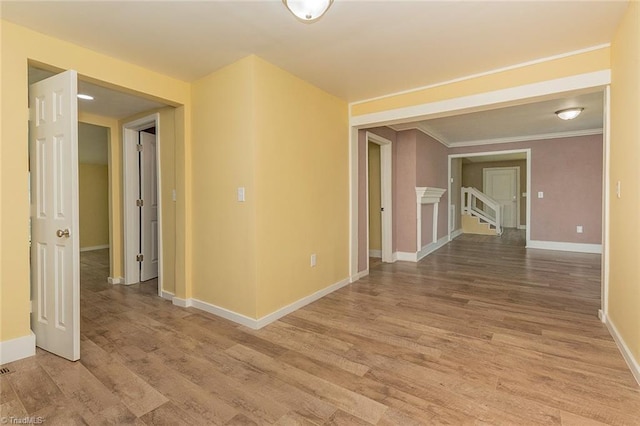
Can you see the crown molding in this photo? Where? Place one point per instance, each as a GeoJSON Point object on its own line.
{"type": "Point", "coordinates": [524, 138]}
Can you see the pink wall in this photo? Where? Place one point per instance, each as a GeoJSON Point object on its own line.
{"type": "Point", "coordinates": [569, 172]}
{"type": "Point", "coordinates": [405, 190]}
{"type": "Point", "coordinates": [432, 170]}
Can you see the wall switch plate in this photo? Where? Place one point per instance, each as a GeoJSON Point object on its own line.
{"type": "Point", "coordinates": [540, 194]}
{"type": "Point", "coordinates": [313, 260]}
{"type": "Point", "coordinates": [618, 190]}
{"type": "Point", "coordinates": [241, 193]}
{"type": "Point", "coordinates": [579, 229]}
{"type": "Point", "coordinates": [173, 195]}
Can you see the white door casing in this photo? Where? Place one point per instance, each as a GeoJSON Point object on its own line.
{"type": "Point", "coordinates": [386, 197]}
{"type": "Point", "coordinates": [54, 213]}
{"type": "Point", "coordinates": [149, 208]}
{"type": "Point", "coordinates": [503, 184]}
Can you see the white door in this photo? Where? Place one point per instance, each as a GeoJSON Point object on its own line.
{"type": "Point", "coordinates": [502, 185]}
{"type": "Point", "coordinates": [149, 209]}
{"type": "Point", "coordinates": [55, 249]}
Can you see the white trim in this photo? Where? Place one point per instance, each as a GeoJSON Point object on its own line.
{"type": "Point", "coordinates": [526, 138]}
{"type": "Point", "coordinates": [425, 250]}
{"type": "Point", "coordinates": [115, 280]}
{"type": "Point", "coordinates": [18, 348]}
{"type": "Point", "coordinates": [633, 364]}
{"type": "Point", "coordinates": [92, 248]}
{"type": "Point", "coordinates": [375, 253]}
{"type": "Point", "coordinates": [485, 73]}
{"type": "Point", "coordinates": [527, 152]}
{"type": "Point", "coordinates": [167, 295]}
{"type": "Point", "coordinates": [561, 246]}
{"type": "Point", "coordinates": [502, 97]}
{"type": "Point", "coordinates": [427, 195]}
{"type": "Point", "coordinates": [455, 234]}
{"type": "Point", "coordinates": [386, 193]}
{"type": "Point", "coordinates": [130, 131]}
{"type": "Point", "coordinates": [359, 275]}
{"type": "Point", "coordinates": [183, 303]}
{"type": "Point", "coordinates": [606, 200]}
{"type": "Point", "coordinates": [265, 320]}
{"type": "Point", "coordinates": [274, 316]}
{"type": "Point", "coordinates": [522, 226]}
{"type": "Point", "coordinates": [354, 241]}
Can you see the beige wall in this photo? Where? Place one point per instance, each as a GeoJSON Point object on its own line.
{"type": "Point", "coordinates": [624, 278]}
{"type": "Point", "coordinates": [472, 175]}
{"type": "Point", "coordinates": [375, 219]}
{"type": "Point", "coordinates": [19, 46]}
{"type": "Point", "coordinates": [94, 205]}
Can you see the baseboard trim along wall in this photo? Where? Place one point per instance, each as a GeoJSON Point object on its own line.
{"type": "Point", "coordinates": [425, 251]}
{"type": "Point", "coordinates": [115, 280]}
{"type": "Point", "coordinates": [622, 346]}
{"type": "Point", "coordinates": [92, 248]}
{"type": "Point", "coordinates": [455, 234]}
{"type": "Point", "coordinates": [375, 253]}
{"type": "Point", "coordinates": [265, 320]}
{"type": "Point", "coordinates": [19, 348]}
{"type": "Point", "coordinates": [359, 275]}
{"type": "Point", "coordinates": [167, 295]}
{"type": "Point", "coordinates": [575, 247]}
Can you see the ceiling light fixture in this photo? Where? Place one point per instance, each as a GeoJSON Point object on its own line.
{"type": "Point", "coordinates": [308, 10]}
{"type": "Point", "coordinates": [569, 113]}
{"type": "Point", "coordinates": [85, 97]}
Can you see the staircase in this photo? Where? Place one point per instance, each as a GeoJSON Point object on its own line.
{"type": "Point", "coordinates": [485, 219]}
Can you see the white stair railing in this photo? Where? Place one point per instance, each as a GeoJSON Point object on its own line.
{"type": "Point", "coordinates": [491, 212]}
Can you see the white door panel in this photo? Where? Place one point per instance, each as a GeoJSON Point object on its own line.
{"type": "Point", "coordinates": [55, 251]}
{"type": "Point", "coordinates": [149, 216]}
{"type": "Point", "coordinates": [501, 184]}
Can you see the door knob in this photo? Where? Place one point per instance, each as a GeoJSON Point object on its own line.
{"type": "Point", "coordinates": [60, 233]}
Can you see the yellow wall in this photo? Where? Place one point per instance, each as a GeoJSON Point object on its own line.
{"type": "Point", "coordinates": [19, 45]}
{"type": "Point", "coordinates": [375, 220]}
{"type": "Point", "coordinates": [595, 60]}
{"type": "Point", "coordinates": [624, 278]}
{"type": "Point", "coordinates": [94, 204]}
{"type": "Point", "coordinates": [223, 159]}
{"type": "Point", "coordinates": [302, 173]}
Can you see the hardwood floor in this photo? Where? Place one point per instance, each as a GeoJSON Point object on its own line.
{"type": "Point", "coordinates": [481, 332]}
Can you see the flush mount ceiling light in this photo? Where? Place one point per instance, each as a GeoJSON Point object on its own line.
{"type": "Point", "coordinates": [85, 97]}
{"type": "Point", "coordinates": [308, 10]}
{"type": "Point", "coordinates": [569, 113]}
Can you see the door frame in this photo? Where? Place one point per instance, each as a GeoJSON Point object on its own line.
{"type": "Point", "coordinates": [517, 170]}
{"type": "Point", "coordinates": [386, 195]}
{"type": "Point", "coordinates": [131, 223]}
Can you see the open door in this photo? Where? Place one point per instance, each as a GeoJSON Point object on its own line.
{"type": "Point", "coordinates": [149, 207]}
{"type": "Point", "coordinates": [55, 248]}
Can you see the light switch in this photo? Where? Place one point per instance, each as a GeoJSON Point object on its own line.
{"type": "Point", "coordinates": [241, 193]}
{"type": "Point", "coordinates": [173, 194]}
{"type": "Point", "coordinates": [540, 194]}
{"type": "Point", "coordinates": [618, 190]}
{"type": "Point", "coordinates": [313, 260]}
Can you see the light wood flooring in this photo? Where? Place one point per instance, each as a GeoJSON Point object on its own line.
{"type": "Point", "coordinates": [481, 332]}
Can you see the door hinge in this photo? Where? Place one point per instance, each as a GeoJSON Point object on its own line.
{"type": "Point", "coordinates": [139, 147]}
{"type": "Point", "coordinates": [139, 203]}
{"type": "Point", "coordinates": [139, 257]}
{"type": "Point", "coordinates": [381, 209]}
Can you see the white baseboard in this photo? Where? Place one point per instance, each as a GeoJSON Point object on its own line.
{"type": "Point", "coordinates": [267, 319]}
{"type": "Point", "coordinates": [359, 275]}
{"type": "Point", "coordinates": [394, 257]}
{"type": "Point", "coordinates": [633, 364]}
{"type": "Point", "coordinates": [522, 226]}
{"type": "Point", "coordinates": [15, 349]}
{"type": "Point", "coordinates": [274, 316]}
{"type": "Point", "coordinates": [405, 256]}
{"type": "Point", "coordinates": [425, 251]}
{"type": "Point", "coordinates": [375, 253]}
{"type": "Point", "coordinates": [167, 295]}
{"type": "Point", "coordinates": [576, 247]}
{"type": "Point", "coordinates": [115, 280]}
{"type": "Point", "coordinates": [92, 248]}
{"type": "Point", "coordinates": [455, 234]}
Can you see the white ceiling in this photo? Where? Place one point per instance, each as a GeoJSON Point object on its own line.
{"type": "Point", "coordinates": [358, 50]}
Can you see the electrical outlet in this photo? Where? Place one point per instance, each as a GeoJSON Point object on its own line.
{"type": "Point", "coordinates": [313, 260]}
{"type": "Point", "coordinates": [579, 229]}
{"type": "Point", "coordinates": [540, 194]}
{"type": "Point", "coordinates": [241, 194]}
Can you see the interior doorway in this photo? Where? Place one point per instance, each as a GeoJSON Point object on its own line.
{"type": "Point", "coordinates": [142, 201]}
{"type": "Point", "coordinates": [503, 184]}
{"type": "Point", "coordinates": [379, 199]}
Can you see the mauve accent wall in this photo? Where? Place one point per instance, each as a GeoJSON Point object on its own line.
{"type": "Point", "coordinates": [569, 173]}
{"type": "Point", "coordinates": [405, 190]}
